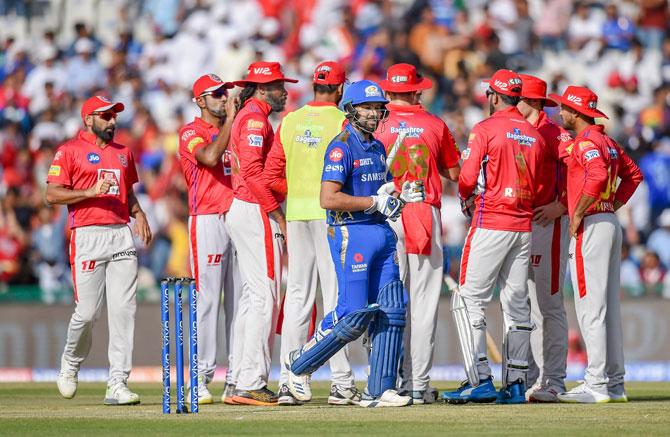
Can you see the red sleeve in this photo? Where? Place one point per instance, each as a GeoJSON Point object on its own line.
{"type": "Point", "coordinates": [275, 166]}
{"type": "Point", "coordinates": [472, 161]}
{"type": "Point", "coordinates": [189, 142]}
{"type": "Point", "coordinates": [61, 169]}
{"type": "Point", "coordinates": [131, 174]}
{"type": "Point", "coordinates": [255, 133]}
{"type": "Point", "coordinates": [595, 169]}
{"type": "Point", "coordinates": [448, 149]}
{"type": "Point", "coordinates": [630, 175]}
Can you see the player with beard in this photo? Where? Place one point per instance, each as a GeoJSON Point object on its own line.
{"type": "Point", "coordinates": [257, 227]}
{"type": "Point", "coordinates": [94, 177]}
{"type": "Point", "coordinates": [205, 161]}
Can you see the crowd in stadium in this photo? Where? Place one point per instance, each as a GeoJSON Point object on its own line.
{"type": "Point", "coordinates": [147, 54]}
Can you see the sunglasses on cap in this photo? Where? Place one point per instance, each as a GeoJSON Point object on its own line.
{"type": "Point", "coordinates": [217, 93]}
{"type": "Point", "coordinates": [105, 115]}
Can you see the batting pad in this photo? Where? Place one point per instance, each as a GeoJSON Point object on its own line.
{"type": "Point", "coordinates": [386, 339]}
{"type": "Point", "coordinates": [321, 347]}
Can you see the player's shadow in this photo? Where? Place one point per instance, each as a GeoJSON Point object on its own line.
{"type": "Point", "coordinates": [660, 398]}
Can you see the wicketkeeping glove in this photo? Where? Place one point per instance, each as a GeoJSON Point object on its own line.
{"type": "Point", "coordinates": [387, 205]}
{"type": "Point", "coordinates": [413, 192]}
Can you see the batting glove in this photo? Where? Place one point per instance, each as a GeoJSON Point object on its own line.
{"type": "Point", "coordinates": [387, 205]}
{"type": "Point", "coordinates": [413, 192]}
{"type": "Point", "coordinates": [467, 206]}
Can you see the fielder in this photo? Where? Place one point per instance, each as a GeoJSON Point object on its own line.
{"type": "Point", "coordinates": [296, 163]}
{"type": "Point", "coordinates": [362, 246]}
{"type": "Point", "coordinates": [205, 161]}
{"type": "Point", "coordinates": [595, 162]}
{"type": "Point", "coordinates": [548, 251]}
{"type": "Point", "coordinates": [498, 176]}
{"type": "Point", "coordinates": [428, 151]}
{"type": "Point", "coordinates": [257, 227]}
{"type": "Point", "coordinates": [94, 177]}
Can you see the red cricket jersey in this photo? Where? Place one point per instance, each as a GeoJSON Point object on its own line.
{"type": "Point", "coordinates": [210, 189]}
{"type": "Point", "coordinates": [594, 162]}
{"type": "Point", "coordinates": [551, 179]}
{"type": "Point", "coordinates": [79, 164]}
{"type": "Point", "coordinates": [500, 166]}
{"type": "Point", "coordinates": [427, 148]}
{"type": "Point", "coordinates": [250, 143]}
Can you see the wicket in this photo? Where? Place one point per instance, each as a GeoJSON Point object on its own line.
{"type": "Point", "coordinates": [179, 342]}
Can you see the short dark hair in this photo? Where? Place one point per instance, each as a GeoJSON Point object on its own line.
{"type": "Point", "coordinates": [510, 100]}
{"type": "Point", "coordinates": [320, 88]}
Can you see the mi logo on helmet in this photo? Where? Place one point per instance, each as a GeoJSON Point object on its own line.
{"type": "Point", "coordinates": [93, 158]}
{"type": "Point", "coordinates": [262, 70]}
{"type": "Point", "coordinates": [372, 91]}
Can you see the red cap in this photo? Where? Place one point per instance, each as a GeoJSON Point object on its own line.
{"type": "Point", "coordinates": [505, 82]}
{"type": "Point", "coordinates": [581, 99]}
{"type": "Point", "coordinates": [403, 78]}
{"type": "Point", "coordinates": [535, 88]}
{"type": "Point", "coordinates": [100, 104]}
{"type": "Point", "coordinates": [208, 83]}
{"type": "Point", "coordinates": [329, 73]}
{"type": "Point", "coordinates": [264, 72]}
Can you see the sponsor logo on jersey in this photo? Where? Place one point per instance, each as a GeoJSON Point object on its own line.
{"type": "Point", "coordinates": [412, 132]}
{"type": "Point", "coordinates": [194, 142]}
{"type": "Point", "coordinates": [93, 158]}
{"type": "Point", "coordinates": [308, 140]}
{"type": "Point", "coordinates": [187, 133]}
{"type": "Point", "coordinates": [362, 162]}
{"type": "Point", "coordinates": [465, 154]}
{"type": "Point", "coordinates": [132, 253]}
{"type": "Point", "coordinates": [255, 140]}
{"type": "Point", "coordinates": [358, 257]}
{"type": "Point", "coordinates": [334, 167]}
{"type": "Point", "coordinates": [54, 170]}
{"type": "Point", "coordinates": [584, 144]}
{"type": "Point", "coordinates": [214, 259]}
{"type": "Point", "coordinates": [58, 155]}
{"type": "Point", "coordinates": [336, 155]}
{"type": "Point", "coordinates": [255, 124]}
{"type": "Point", "coordinates": [372, 91]}
{"type": "Point", "coordinates": [564, 137]}
{"type": "Point", "coordinates": [123, 160]}
{"type": "Point", "coordinates": [591, 154]}
{"type": "Point", "coordinates": [372, 177]}
{"type": "Point", "coordinates": [613, 153]}
{"type": "Point", "coordinates": [471, 137]}
{"type": "Point", "coordinates": [360, 266]}
{"type": "Point", "coordinates": [521, 138]}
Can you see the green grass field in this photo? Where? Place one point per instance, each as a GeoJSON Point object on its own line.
{"type": "Point", "coordinates": [38, 409]}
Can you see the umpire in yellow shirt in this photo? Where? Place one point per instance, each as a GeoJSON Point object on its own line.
{"type": "Point", "coordinates": [294, 167]}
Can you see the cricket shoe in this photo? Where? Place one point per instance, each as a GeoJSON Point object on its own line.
{"type": "Point", "coordinates": [483, 393]}
{"type": "Point", "coordinates": [286, 398]}
{"type": "Point", "coordinates": [261, 397]}
{"type": "Point", "coordinates": [514, 393]}
{"type": "Point", "coordinates": [119, 394]}
{"type": "Point", "coordinates": [67, 380]}
{"type": "Point", "coordinates": [421, 397]}
{"type": "Point", "coordinates": [228, 394]}
{"type": "Point", "coordinates": [543, 393]}
{"type": "Point", "coordinates": [299, 385]}
{"type": "Point", "coordinates": [617, 394]}
{"type": "Point", "coordinates": [340, 395]}
{"type": "Point", "coordinates": [583, 394]}
{"type": "Point", "coordinates": [390, 398]}
{"type": "Point", "coordinates": [204, 395]}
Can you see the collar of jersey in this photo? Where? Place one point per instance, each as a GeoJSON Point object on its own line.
{"type": "Point", "coordinates": [260, 106]}
{"type": "Point", "coordinates": [405, 108]}
{"type": "Point", "coordinates": [86, 137]}
{"type": "Point", "coordinates": [510, 110]}
{"type": "Point", "coordinates": [595, 128]}
{"type": "Point", "coordinates": [315, 103]}
{"type": "Point", "coordinates": [366, 145]}
{"type": "Point", "coordinates": [203, 123]}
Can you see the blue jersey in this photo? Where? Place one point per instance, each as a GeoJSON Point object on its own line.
{"type": "Point", "coordinates": [360, 166]}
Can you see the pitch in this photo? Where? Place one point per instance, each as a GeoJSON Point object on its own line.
{"type": "Point", "coordinates": [38, 409]}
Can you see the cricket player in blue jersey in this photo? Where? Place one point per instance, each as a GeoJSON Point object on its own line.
{"type": "Point", "coordinates": [363, 248]}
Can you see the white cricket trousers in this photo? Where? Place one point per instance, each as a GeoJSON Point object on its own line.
{"type": "Point", "coordinates": [422, 278]}
{"type": "Point", "coordinates": [259, 252]}
{"type": "Point", "coordinates": [104, 267]}
{"type": "Point", "coordinates": [549, 341]}
{"type": "Point", "coordinates": [309, 260]}
{"type": "Point", "coordinates": [217, 276]}
{"type": "Point", "coordinates": [595, 263]}
{"type": "Point", "coordinates": [491, 258]}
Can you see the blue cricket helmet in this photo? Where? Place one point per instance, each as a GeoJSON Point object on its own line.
{"type": "Point", "coordinates": [363, 91]}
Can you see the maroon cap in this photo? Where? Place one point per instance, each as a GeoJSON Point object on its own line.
{"type": "Point", "coordinates": [581, 99]}
{"type": "Point", "coordinates": [329, 73]}
{"type": "Point", "coordinates": [505, 82]}
{"type": "Point", "coordinates": [403, 78]}
{"type": "Point", "coordinates": [264, 72]}
{"type": "Point", "coordinates": [100, 104]}
{"type": "Point", "coordinates": [208, 83]}
{"type": "Point", "coordinates": [535, 88]}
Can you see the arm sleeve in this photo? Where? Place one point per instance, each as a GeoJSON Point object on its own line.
{"type": "Point", "coordinates": [630, 175]}
{"type": "Point", "coordinates": [255, 132]}
{"type": "Point", "coordinates": [336, 163]}
{"type": "Point", "coordinates": [595, 169]}
{"type": "Point", "coordinates": [189, 142]}
{"type": "Point", "coordinates": [60, 171]}
{"type": "Point", "coordinates": [472, 161]}
{"type": "Point", "coordinates": [275, 166]}
{"type": "Point", "coordinates": [449, 154]}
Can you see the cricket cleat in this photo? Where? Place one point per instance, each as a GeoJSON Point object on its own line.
{"type": "Point", "coordinates": [583, 394]}
{"type": "Point", "coordinates": [390, 398]}
{"type": "Point", "coordinates": [119, 394]}
{"type": "Point", "coordinates": [204, 395]}
{"type": "Point", "coordinates": [542, 393]}
{"type": "Point", "coordinates": [228, 394]}
{"type": "Point", "coordinates": [340, 395]}
{"type": "Point", "coordinates": [67, 383]}
{"type": "Point", "coordinates": [514, 393]}
{"type": "Point", "coordinates": [483, 393]}
{"type": "Point", "coordinates": [261, 397]}
{"type": "Point", "coordinates": [286, 398]}
{"type": "Point", "coordinates": [298, 385]}
{"type": "Point", "coordinates": [421, 397]}
{"type": "Point", "coordinates": [617, 394]}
